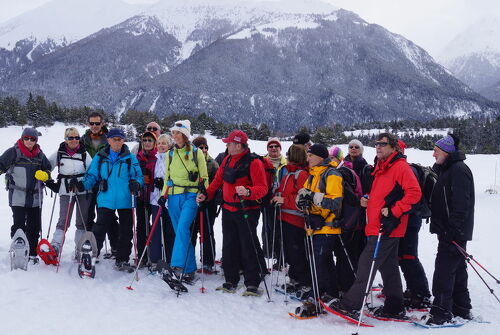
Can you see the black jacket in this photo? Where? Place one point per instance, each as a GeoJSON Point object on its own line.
{"type": "Point", "coordinates": [452, 203]}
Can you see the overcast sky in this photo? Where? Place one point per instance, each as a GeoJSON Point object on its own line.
{"type": "Point", "coordinates": [429, 23]}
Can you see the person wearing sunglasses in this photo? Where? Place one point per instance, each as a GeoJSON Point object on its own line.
{"type": "Point", "coordinates": [210, 209]}
{"type": "Point", "coordinates": [147, 160]}
{"type": "Point", "coordinates": [355, 156]}
{"type": "Point", "coordinates": [72, 161]}
{"type": "Point", "coordinates": [25, 165]}
{"type": "Point", "coordinates": [119, 177]}
{"type": "Point", "coordinates": [186, 167]}
{"type": "Point", "coordinates": [152, 127]}
{"type": "Point", "coordinates": [394, 190]}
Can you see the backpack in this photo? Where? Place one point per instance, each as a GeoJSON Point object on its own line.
{"type": "Point", "coordinates": [242, 168]}
{"type": "Point", "coordinates": [351, 210]}
{"type": "Point", "coordinates": [427, 179]}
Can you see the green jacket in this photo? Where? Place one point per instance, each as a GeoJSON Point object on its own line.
{"type": "Point", "coordinates": [87, 141]}
{"type": "Point", "coordinates": [176, 172]}
{"type": "Point", "coordinates": [212, 167]}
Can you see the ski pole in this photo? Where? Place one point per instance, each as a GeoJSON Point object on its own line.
{"type": "Point", "coordinates": [312, 260]}
{"type": "Point", "coordinates": [272, 248]}
{"type": "Point", "coordinates": [347, 255]}
{"type": "Point", "coordinates": [369, 282]}
{"type": "Point", "coordinates": [51, 215]}
{"type": "Point", "coordinates": [146, 219]}
{"type": "Point", "coordinates": [202, 240]}
{"type": "Point", "coordinates": [464, 252]}
{"type": "Point", "coordinates": [134, 230]}
{"type": "Point", "coordinates": [40, 185]}
{"type": "Point", "coordinates": [468, 258]}
{"type": "Point", "coordinates": [262, 274]}
{"type": "Point", "coordinates": [211, 237]}
{"type": "Point", "coordinates": [163, 250]}
{"type": "Point", "coordinates": [66, 223]}
{"type": "Point", "coordinates": [158, 214]}
{"type": "Point", "coordinates": [283, 252]}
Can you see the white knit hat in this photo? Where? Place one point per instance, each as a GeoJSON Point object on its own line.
{"type": "Point", "coordinates": [184, 126]}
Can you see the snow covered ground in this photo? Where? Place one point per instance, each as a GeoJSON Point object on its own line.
{"type": "Point", "coordinates": [47, 302]}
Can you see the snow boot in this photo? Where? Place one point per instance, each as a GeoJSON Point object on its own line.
{"type": "Point", "coordinates": [227, 288]}
{"type": "Point", "coordinates": [252, 291]}
{"type": "Point", "coordinates": [307, 310]}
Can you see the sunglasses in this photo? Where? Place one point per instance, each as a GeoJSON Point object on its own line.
{"type": "Point", "coordinates": [180, 125]}
{"type": "Point", "coordinates": [203, 147]}
{"type": "Point", "coordinates": [28, 138]}
{"type": "Point", "coordinates": [381, 144]}
{"type": "Point", "coordinates": [151, 129]}
{"type": "Point", "coordinates": [272, 146]}
{"type": "Point", "coordinates": [147, 140]}
{"type": "Point", "coordinates": [95, 123]}
{"type": "Point", "coordinates": [354, 147]}
{"type": "Point", "coordinates": [73, 138]}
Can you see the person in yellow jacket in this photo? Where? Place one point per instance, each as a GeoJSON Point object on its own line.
{"type": "Point", "coordinates": [185, 167]}
{"type": "Point", "coordinates": [321, 199]}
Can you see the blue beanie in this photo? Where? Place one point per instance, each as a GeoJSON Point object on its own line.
{"type": "Point", "coordinates": [447, 144]}
{"type": "Point", "coordinates": [116, 132]}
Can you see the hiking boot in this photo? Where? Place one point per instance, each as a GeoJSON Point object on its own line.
{"type": "Point", "coordinates": [337, 306]}
{"type": "Point", "coordinates": [382, 313]}
{"type": "Point", "coordinates": [252, 291]}
{"type": "Point", "coordinates": [328, 299]}
{"type": "Point", "coordinates": [304, 293]}
{"type": "Point", "coordinates": [227, 287]}
{"type": "Point", "coordinates": [189, 278]}
{"type": "Point", "coordinates": [434, 320]}
{"type": "Point", "coordinates": [34, 260]}
{"type": "Point", "coordinates": [308, 309]}
{"type": "Point", "coordinates": [122, 266]}
{"type": "Point", "coordinates": [461, 312]}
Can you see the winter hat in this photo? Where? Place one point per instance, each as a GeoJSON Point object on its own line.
{"type": "Point", "coordinates": [336, 152]}
{"type": "Point", "coordinates": [318, 150]}
{"type": "Point", "coordinates": [30, 132]}
{"type": "Point", "coordinates": [401, 146]}
{"type": "Point", "coordinates": [200, 140]}
{"type": "Point", "coordinates": [236, 136]}
{"type": "Point", "coordinates": [447, 144]}
{"type": "Point", "coordinates": [115, 132]}
{"type": "Point", "coordinates": [184, 126]}
{"type": "Point", "coordinates": [358, 143]}
{"type": "Point", "coordinates": [149, 134]}
{"type": "Point", "coordinates": [301, 138]}
{"type": "Point", "coordinates": [274, 140]}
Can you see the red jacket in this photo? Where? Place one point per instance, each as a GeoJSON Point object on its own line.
{"type": "Point", "coordinates": [386, 174]}
{"type": "Point", "coordinates": [288, 189]}
{"type": "Point", "coordinates": [147, 163]}
{"type": "Point", "coordinates": [255, 181]}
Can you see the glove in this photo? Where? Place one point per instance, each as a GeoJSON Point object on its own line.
{"type": "Point", "coordinates": [389, 223]}
{"type": "Point", "coordinates": [162, 201]}
{"type": "Point", "coordinates": [75, 184]}
{"type": "Point", "coordinates": [52, 185]}
{"type": "Point", "coordinates": [159, 183]}
{"type": "Point", "coordinates": [318, 198]}
{"type": "Point", "coordinates": [147, 179]}
{"type": "Point", "coordinates": [134, 186]}
{"type": "Point", "coordinates": [304, 198]}
{"type": "Point", "coordinates": [41, 175]}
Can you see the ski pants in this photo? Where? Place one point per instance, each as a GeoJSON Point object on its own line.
{"type": "Point", "coordinates": [295, 254]}
{"type": "Point", "coordinates": [106, 217]}
{"type": "Point", "coordinates": [241, 247]}
{"type": "Point", "coordinates": [81, 218]}
{"type": "Point", "coordinates": [208, 232]}
{"type": "Point", "coordinates": [387, 263]}
{"type": "Point", "coordinates": [164, 225]}
{"type": "Point", "coordinates": [27, 219]}
{"type": "Point", "coordinates": [324, 245]}
{"type": "Point", "coordinates": [143, 213]}
{"type": "Point", "coordinates": [413, 271]}
{"type": "Point", "coordinates": [112, 231]}
{"type": "Point", "coordinates": [449, 284]}
{"type": "Point", "coordinates": [182, 209]}
{"type": "Point", "coordinates": [354, 243]}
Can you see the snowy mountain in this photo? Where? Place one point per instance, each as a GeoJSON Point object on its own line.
{"type": "Point", "coordinates": [474, 57]}
{"type": "Point", "coordinates": [248, 62]}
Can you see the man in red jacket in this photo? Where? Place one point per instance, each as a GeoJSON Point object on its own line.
{"type": "Point", "coordinates": [395, 189]}
{"type": "Point", "coordinates": [243, 181]}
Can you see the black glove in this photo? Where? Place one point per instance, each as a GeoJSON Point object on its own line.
{"type": "Point", "coordinates": [304, 198]}
{"type": "Point", "coordinates": [158, 182]}
{"type": "Point", "coordinates": [162, 201]}
{"type": "Point", "coordinates": [52, 185]}
{"type": "Point", "coordinates": [75, 184]}
{"type": "Point", "coordinates": [389, 223]}
{"type": "Point", "coordinates": [134, 186]}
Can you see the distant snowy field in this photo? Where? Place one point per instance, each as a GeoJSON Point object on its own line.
{"type": "Point", "coordinates": [42, 301]}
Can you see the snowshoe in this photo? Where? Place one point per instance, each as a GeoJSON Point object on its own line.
{"type": "Point", "coordinates": [47, 252]}
{"type": "Point", "coordinates": [336, 308]}
{"type": "Point", "coordinates": [19, 251]}
{"type": "Point", "coordinates": [308, 310]}
{"type": "Point", "coordinates": [124, 266]}
{"type": "Point", "coordinates": [430, 321]}
{"type": "Point", "coordinates": [228, 288]}
{"type": "Point", "coordinates": [252, 291]}
{"type": "Point", "coordinates": [189, 278]}
{"type": "Point", "coordinates": [169, 277]}
{"type": "Point", "coordinates": [86, 252]}
{"type": "Point", "coordinates": [380, 314]}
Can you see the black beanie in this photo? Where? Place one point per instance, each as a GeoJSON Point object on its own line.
{"type": "Point", "coordinates": [200, 140]}
{"type": "Point", "coordinates": [301, 138]}
{"type": "Point", "coordinates": [319, 150]}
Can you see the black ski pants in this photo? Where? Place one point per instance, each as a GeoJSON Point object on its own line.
{"type": "Point", "coordinates": [209, 212]}
{"type": "Point", "coordinates": [295, 254]}
{"type": "Point", "coordinates": [27, 219]}
{"type": "Point", "coordinates": [387, 263]}
{"type": "Point", "coordinates": [449, 284]}
{"type": "Point", "coordinates": [413, 271]}
{"type": "Point", "coordinates": [105, 217]}
{"type": "Point", "coordinates": [240, 247]}
{"type": "Point", "coordinates": [112, 227]}
{"type": "Point", "coordinates": [354, 243]}
{"type": "Point", "coordinates": [157, 240]}
{"type": "Point", "coordinates": [324, 244]}
{"type": "Point", "coordinates": [143, 226]}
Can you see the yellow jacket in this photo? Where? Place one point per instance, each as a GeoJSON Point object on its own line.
{"type": "Point", "coordinates": [333, 193]}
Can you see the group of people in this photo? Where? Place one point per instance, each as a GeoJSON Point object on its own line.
{"type": "Point", "coordinates": [314, 202]}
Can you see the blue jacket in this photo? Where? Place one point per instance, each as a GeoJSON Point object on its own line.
{"type": "Point", "coordinates": [117, 175]}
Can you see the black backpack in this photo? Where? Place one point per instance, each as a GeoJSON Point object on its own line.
{"type": "Point", "coordinates": [427, 178]}
{"type": "Point", "coordinates": [351, 209]}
